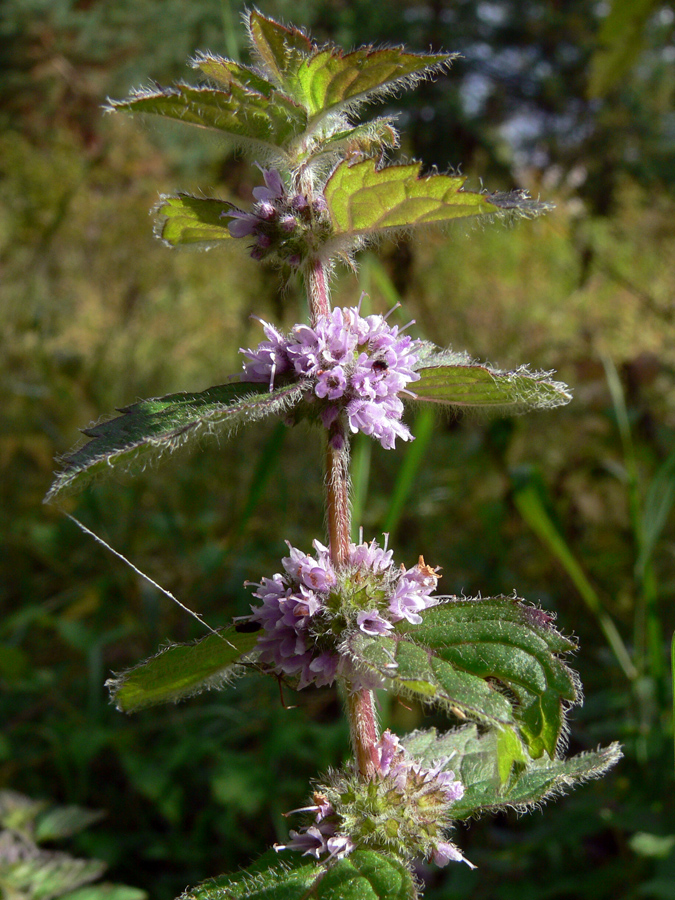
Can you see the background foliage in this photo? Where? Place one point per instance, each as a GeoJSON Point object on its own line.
{"type": "Point", "coordinates": [571, 507]}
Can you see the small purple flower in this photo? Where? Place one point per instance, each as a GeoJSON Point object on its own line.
{"type": "Point", "coordinates": [242, 224]}
{"type": "Point", "coordinates": [446, 852]}
{"type": "Point", "coordinates": [274, 187]}
{"type": "Point", "coordinates": [372, 623]}
{"type": "Point", "coordinates": [364, 363]}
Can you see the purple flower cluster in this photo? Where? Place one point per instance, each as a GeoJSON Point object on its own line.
{"type": "Point", "coordinates": [343, 819]}
{"type": "Point", "coordinates": [281, 224]}
{"type": "Point", "coordinates": [304, 608]}
{"type": "Point", "coordinates": [359, 364]}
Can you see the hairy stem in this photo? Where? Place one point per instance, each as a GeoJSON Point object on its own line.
{"type": "Point", "coordinates": [360, 705]}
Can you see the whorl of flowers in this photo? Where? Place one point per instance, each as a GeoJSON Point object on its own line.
{"type": "Point", "coordinates": [405, 808]}
{"type": "Point", "coordinates": [359, 364]}
{"type": "Point", "coordinates": [284, 227]}
{"type": "Point", "coordinates": [308, 610]}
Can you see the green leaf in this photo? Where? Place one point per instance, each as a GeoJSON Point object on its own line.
{"type": "Point", "coordinates": [363, 875]}
{"type": "Point", "coordinates": [227, 73]}
{"type": "Point", "coordinates": [412, 670]}
{"type": "Point", "coordinates": [150, 428]}
{"type": "Point", "coordinates": [106, 891]}
{"type": "Point", "coordinates": [63, 821]}
{"type": "Point", "coordinates": [369, 139]}
{"type": "Point", "coordinates": [182, 670]}
{"type": "Point", "coordinates": [330, 80]}
{"type": "Point", "coordinates": [462, 648]}
{"type": "Point", "coordinates": [452, 379]}
{"type": "Point", "coordinates": [36, 874]}
{"type": "Point", "coordinates": [498, 776]}
{"type": "Point", "coordinates": [254, 122]}
{"type": "Point", "coordinates": [364, 200]}
{"type": "Point", "coordinates": [516, 645]}
{"type": "Point", "coordinates": [280, 50]}
{"type": "Point", "coordinates": [185, 219]}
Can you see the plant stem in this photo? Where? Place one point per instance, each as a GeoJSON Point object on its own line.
{"type": "Point", "coordinates": [360, 704]}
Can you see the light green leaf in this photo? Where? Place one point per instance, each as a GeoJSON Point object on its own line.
{"type": "Point", "coordinates": [34, 874]}
{"type": "Point", "coordinates": [504, 640]}
{"type": "Point", "coordinates": [227, 73]}
{"type": "Point", "coordinates": [481, 762]}
{"type": "Point", "coordinates": [280, 50]}
{"type": "Point", "coordinates": [254, 122]}
{"type": "Point", "coordinates": [63, 821]}
{"type": "Point", "coordinates": [363, 875]}
{"type": "Point", "coordinates": [453, 380]}
{"type": "Point", "coordinates": [185, 219]}
{"type": "Point", "coordinates": [182, 670]}
{"type": "Point", "coordinates": [330, 80]}
{"type": "Point", "coordinates": [364, 200]}
{"type": "Point", "coordinates": [368, 139]}
{"type": "Point", "coordinates": [148, 429]}
{"type": "Point", "coordinates": [106, 891]}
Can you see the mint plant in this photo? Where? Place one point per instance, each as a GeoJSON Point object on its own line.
{"type": "Point", "coordinates": [349, 613]}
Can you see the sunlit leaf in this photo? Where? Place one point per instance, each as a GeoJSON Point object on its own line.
{"type": "Point", "coordinates": [181, 671]}
{"type": "Point", "coordinates": [363, 875]}
{"type": "Point", "coordinates": [369, 139]}
{"type": "Point", "coordinates": [464, 649]}
{"type": "Point", "coordinates": [478, 762]}
{"type": "Point", "coordinates": [184, 219]}
{"type": "Point", "coordinates": [504, 640]}
{"type": "Point", "coordinates": [60, 822]}
{"type": "Point", "coordinates": [150, 428]}
{"type": "Point", "coordinates": [280, 50]}
{"type": "Point", "coordinates": [227, 72]}
{"type": "Point", "coordinates": [363, 199]}
{"type": "Point", "coordinates": [331, 79]}
{"type": "Point", "coordinates": [450, 379]}
{"type": "Point", "coordinates": [251, 120]}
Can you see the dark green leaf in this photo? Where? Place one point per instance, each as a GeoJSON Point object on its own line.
{"type": "Point", "coordinates": [363, 199]}
{"type": "Point", "coordinates": [150, 428]}
{"type": "Point", "coordinates": [497, 773]}
{"type": "Point", "coordinates": [252, 121]}
{"type": "Point", "coordinates": [516, 645]}
{"type": "Point", "coordinates": [363, 875]}
{"type": "Point", "coordinates": [181, 671]}
{"type": "Point", "coordinates": [184, 219]}
{"type": "Point", "coordinates": [451, 379]}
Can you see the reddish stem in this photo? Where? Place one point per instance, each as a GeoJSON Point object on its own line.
{"type": "Point", "coordinates": [360, 704]}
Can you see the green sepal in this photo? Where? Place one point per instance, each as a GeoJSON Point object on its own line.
{"type": "Point", "coordinates": [453, 379]}
{"type": "Point", "coordinates": [252, 121]}
{"type": "Point", "coordinates": [151, 428]}
{"type": "Point", "coordinates": [366, 200]}
{"type": "Point", "coordinates": [516, 645]}
{"type": "Point", "coordinates": [331, 80]}
{"type": "Point", "coordinates": [497, 771]}
{"type": "Point", "coordinates": [182, 670]}
{"type": "Point", "coordinates": [280, 50]}
{"type": "Point", "coordinates": [184, 219]}
{"type": "Point", "coordinates": [363, 875]}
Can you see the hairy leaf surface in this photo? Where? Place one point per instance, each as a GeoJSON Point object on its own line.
{"type": "Point", "coordinates": [227, 72]}
{"type": "Point", "coordinates": [331, 79]}
{"type": "Point", "coordinates": [363, 875]}
{"type": "Point", "coordinates": [253, 121]}
{"type": "Point", "coordinates": [181, 671]}
{"type": "Point", "coordinates": [184, 219]}
{"type": "Point", "coordinates": [489, 785]}
{"type": "Point", "coordinates": [150, 428]}
{"type": "Point", "coordinates": [516, 645]}
{"type": "Point", "coordinates": [449, 380]}
{"type": "Point", "coordinates": [363, 199]}
{"type": "Point", "coordinates": [281, 50]}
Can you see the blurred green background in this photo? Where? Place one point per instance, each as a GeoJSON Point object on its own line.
{"type": "Point", "coordinates": [570, 508]}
